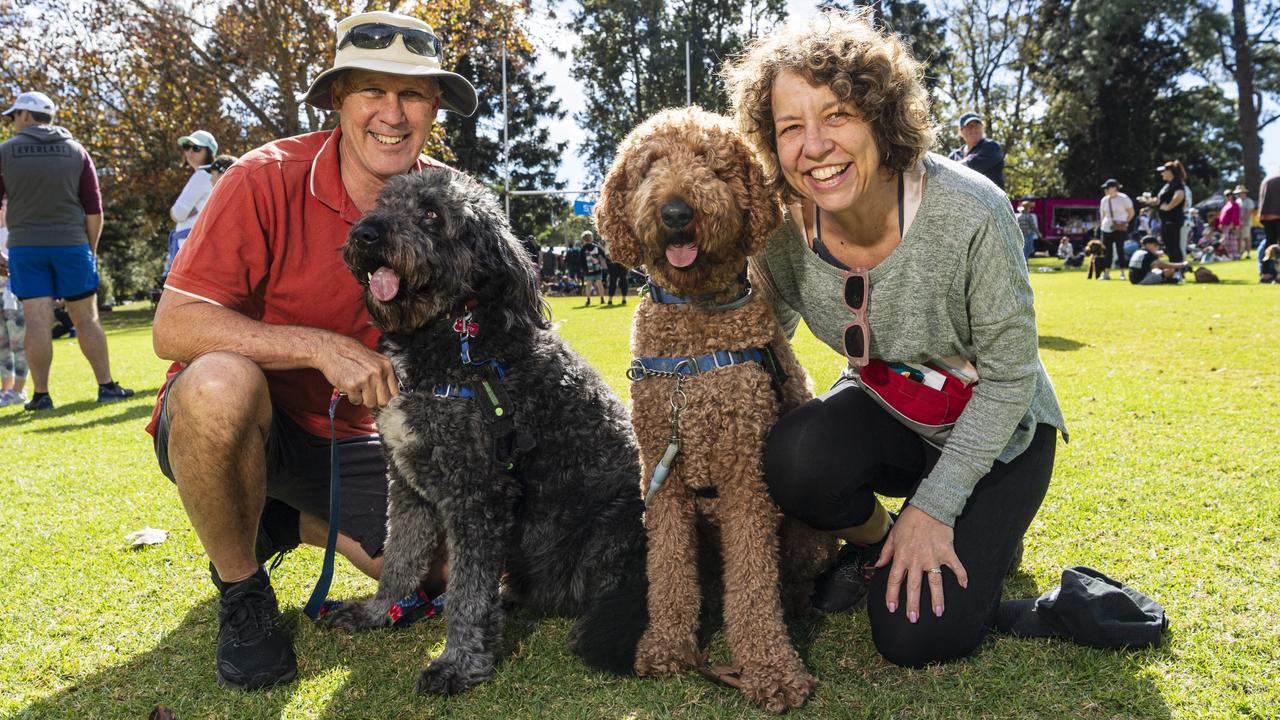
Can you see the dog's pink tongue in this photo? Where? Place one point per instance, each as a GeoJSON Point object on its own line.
{"type": "Point", "coordinates": [384, 283]}
{"type": "Point", "coordinates": [682, 256]}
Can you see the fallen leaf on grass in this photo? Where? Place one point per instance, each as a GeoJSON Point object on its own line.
{"type": "Point", "coordinates": [147, 536]}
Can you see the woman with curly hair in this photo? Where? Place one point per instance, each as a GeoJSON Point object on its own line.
{"type": "Point", "coordinates": [896, 254]}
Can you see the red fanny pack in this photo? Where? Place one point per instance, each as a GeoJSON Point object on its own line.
{"type": "Point", "coordinates": [930, 412]}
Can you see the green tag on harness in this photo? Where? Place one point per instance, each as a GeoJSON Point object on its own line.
{"type": "Point", "coordinates": [493, 398]}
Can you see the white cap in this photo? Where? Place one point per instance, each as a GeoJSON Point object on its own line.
{"type": "Point", "coordinates": [34, 102]}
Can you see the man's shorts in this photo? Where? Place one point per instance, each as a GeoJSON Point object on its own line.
{"type": "Point", "coordinates": [66, 271]}
{"type": "Point", "coordinates": [298, 476]}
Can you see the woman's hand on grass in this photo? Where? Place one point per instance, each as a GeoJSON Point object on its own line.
{"type": "Point", "coordinates": [917, 543]}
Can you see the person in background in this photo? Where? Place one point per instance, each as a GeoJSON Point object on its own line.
{"type": "Point", "coordinates": [1146, 267]}
{"type": "Point", "coordinates": [198, 151]}
{"type": "Point", "coordinates": [1270, 258]}
{"type": "Point", "coordinates": [594, 262]}
{"type": "Point", "coordinates": [1197, 225]}
{"type": "Point", "coordinates": [1248, 210]}
{"type": "Point", "coordinates": [1229, 224]}
{"type": "Point", "coordinates": [836, 109]}
{"type": "Point", "coordinates": [1144, 223]}
{"type": "Point", "coordinates": [979, 152]}
{"type": "Point", "coordinates": [1029, 226]}
{"type": "Point", "coordinates": [219, 167]}
{"type": "Point", "coordinates": [54, 217]}
{"type": "Point", "coordinates": [1171, 204]}
{"type": "Point", "coordinates": [618, 280]}
{"type": "Point", "coordinates": [1269, 209]}
{"type": "Point", "coordinates": [13, 355]}
{"type": "Point", "coordinates": [1115, 212]}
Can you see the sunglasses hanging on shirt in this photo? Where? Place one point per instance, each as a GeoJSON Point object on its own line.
{"type": "Point", "coordinates": [857, 334]}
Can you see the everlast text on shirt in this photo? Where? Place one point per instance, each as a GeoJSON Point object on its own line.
{"type": "Point", "coordinates": [41, 149]}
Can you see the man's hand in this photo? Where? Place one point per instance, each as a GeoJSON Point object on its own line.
{"type": "Point", "coordinates": [364, 376]}
{"type": "Point", "coordinates": [917, 543]}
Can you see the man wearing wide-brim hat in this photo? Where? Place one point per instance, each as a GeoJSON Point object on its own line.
{"type": "Point", "coordinates": [264, 321]}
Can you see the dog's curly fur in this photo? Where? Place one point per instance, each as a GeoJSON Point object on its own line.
{"type": "Point", "coordinates": [698, 158]}
{"type": "Point", "coordinates": [566, 524]}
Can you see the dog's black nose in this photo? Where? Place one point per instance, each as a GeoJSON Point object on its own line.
{"type": "Point", "coordinates": [676, 214]}
{"type": "Point", "coordinates": [365, 234]}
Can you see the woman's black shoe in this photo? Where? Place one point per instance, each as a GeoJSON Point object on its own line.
{"type": "Point", "coordinates": [844, 586]}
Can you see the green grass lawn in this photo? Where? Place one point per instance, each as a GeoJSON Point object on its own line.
{"type": "Point", "coordinates": [1169, 484]}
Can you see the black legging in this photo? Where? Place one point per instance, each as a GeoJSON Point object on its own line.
{"type": "Point", "coordinates": [618, 279]}
{"type": "Point", "coordinates": [1113, 244]}
{"type": "Point", "coordinates": [825, 460]}
{"type": "Point", "coordinates": [1171, 237]}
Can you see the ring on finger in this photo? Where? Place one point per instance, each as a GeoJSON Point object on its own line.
{"type": "Point", "coordinates": [934, 571]}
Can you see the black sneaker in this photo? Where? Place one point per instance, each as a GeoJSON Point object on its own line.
{"type": "Point", "coordinates": [112, 392]}
{"type": "Point", "coordinates": [40, 402]}
{"type": "Point", "coordinates": [252, 652]}
{"type": "Point", "coordinates": [844, 586]}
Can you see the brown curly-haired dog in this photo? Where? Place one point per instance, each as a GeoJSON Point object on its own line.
{"type": "Point", "coordinates": [685, 198]}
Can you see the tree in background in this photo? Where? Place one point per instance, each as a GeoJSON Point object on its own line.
{"type": "Point", "coordinates": [1110, 71]}
{"type": "Point", "coordinates": [131, 76]}
{"type": "Point", "coordinates": [1244, 46]}
{"type": "Point", "coordinates": [477, 141]}
{"type": "Point", "coordinates": [631, 60]}
{"type": "Point", "coordinates": [911, 19]}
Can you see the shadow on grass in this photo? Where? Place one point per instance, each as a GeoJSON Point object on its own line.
{"type": "Point", "coordinates": [377, 671]}
{"type": "Point", "coordinates": [1052, 342]}
{"type": "Point", "coordinates": [134, 410]}
{"type": "Point", "coordinates": [379, 667]}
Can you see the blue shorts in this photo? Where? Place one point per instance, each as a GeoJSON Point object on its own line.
{"type": "Point", "coordinates": [66, 271]}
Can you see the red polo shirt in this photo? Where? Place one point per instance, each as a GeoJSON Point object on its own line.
{"type": "Point", "coordinates": [268, 245]}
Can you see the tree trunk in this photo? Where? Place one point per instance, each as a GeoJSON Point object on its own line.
{"type": "Point", "coordinates": [1247, 116]}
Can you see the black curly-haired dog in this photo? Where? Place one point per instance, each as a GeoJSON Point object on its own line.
{"type": "Point", "coordinates": [502, 440]}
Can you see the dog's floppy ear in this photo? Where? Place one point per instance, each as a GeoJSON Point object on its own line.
{"type": "Point", "coordinates": [505, 277]}
{"type": "Point", "coordinates": [764, 209]}
{"type": "Point", "coordinates": [611, 212]}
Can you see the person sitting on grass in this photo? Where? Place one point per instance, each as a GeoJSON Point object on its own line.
{"type": "Point", "coordinates": [1067, 254]}
{"type": "Point", "coordinates": [1270, 259]}
{"type": "Point", "coordinates": [1146, 267]}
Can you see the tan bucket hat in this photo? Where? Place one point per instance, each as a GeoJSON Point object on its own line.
{"type": "Point", "coordinates": [393, 57]}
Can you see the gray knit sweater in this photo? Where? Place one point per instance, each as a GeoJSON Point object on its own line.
{"type": "Point", "coordinates": [956, 285]}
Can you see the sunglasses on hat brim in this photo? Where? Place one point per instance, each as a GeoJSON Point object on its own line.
{"type": "Point", "coordinates": [379, 36]}
{"type": "Point", "coordinates": [857, 334]}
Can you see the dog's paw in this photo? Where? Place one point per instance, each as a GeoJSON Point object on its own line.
{"type": "Point", "coordinates": [661, 657]}
{"type": "Point", "coordinates": [777, 688]}
{"type": "Point", "coordinates": [358, 616]}
{"type": "Point", "coordinates": [452, 673]}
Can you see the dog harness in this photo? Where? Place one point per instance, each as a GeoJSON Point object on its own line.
{"type": "Point", "coordinates": [684, 367]}
{"type": "Point", "coordinates": [509, 441]}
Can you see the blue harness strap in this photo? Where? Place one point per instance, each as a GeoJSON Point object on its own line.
{"type": "Point", "coordinates": [321, 590]}
{"type": "Point", "coordinates": [695, 364]}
